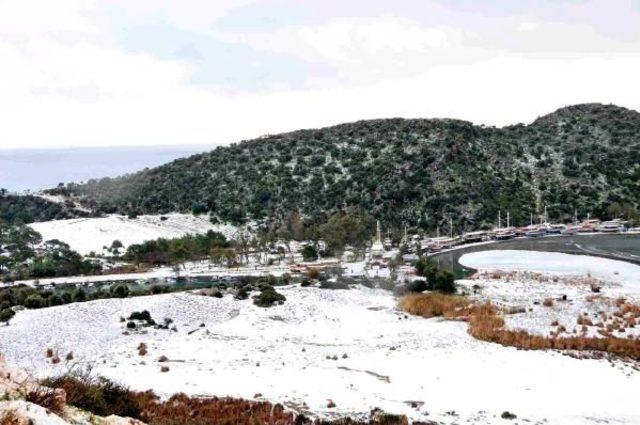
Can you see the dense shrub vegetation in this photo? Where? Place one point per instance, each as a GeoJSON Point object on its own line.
{"type": "Point", "coordinates": [418, 172]}
{"type": "Point", "coordinates": [437, 279]}
{"type": "Point", "coordinates": [268, 297]}
{"type": "Point", "coordinates": [26, 209]}
{"type": "Point", "coordinates": [187, 248]}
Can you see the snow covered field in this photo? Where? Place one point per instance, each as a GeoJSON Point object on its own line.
{"type": "Point", "coordinates": [625, 275]}
{"type": "Point", "coordinates": [349, 346]}
{"type": "Point", "coordinates": [92, 234]}
{"type": "Point", "coordinates": [549, 291]}
{"type": "Point", "coordinates": [355, 348]}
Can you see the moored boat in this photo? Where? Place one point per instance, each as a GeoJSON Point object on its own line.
{"type": "Point", "coordinates": [535, 231]}
{"type": "Point", "coordinates": [478, 236]}
{"type": "Point", "coordinates": [613, 226]}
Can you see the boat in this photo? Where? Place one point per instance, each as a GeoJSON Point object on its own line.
{"type": "Point", "coordinates": [520, 231]}
{"type": "Point", "coordinates": [478, 236]}
{"type": "Point", "coordinates": [435, 248]}
{"type": "Point", "coordinates": [556, 229]}
{"type": "Point", "coordinates": [570, 230]}
{"type": "Point", "coordinates": [613, 226]}
{"type": "Point", "coordinates": [535, 231]}
{"type": "Point", "coordinates": [589, 226]}
{"type": "Point", "coordinates": [505, 233]}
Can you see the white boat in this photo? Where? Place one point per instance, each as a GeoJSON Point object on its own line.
{"type": "Point", "coordinates": [613, 226]}
{"type": "Point", "coordinates": [556, 229]}
{"type": "Point", "coordinates": [478, 236]}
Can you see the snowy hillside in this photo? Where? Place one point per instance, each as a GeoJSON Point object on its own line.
{"type": "Point", "coordinates": [352, 347]}
{"type": "Point", "coordinates": [93, 234]}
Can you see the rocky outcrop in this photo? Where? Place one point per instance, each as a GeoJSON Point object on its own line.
{"type": "Point", "coordinates": [17, 387]}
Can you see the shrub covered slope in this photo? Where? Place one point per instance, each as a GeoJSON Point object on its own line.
{"type": "Point", "coordinates": [419, 172]}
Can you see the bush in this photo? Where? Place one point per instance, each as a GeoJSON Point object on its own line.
{"type": "Point", "coordinates": [427, 268]}
{"type": "Point", "coordinates": [48, 398]}
{"type": "Point", "coordinates": [268, 297]}
{"type": "Point", "coordinates": [159, 289]}
{"type": "Point", "coordinates": [417, 286]}
{"type": "Point", "coordinates": [34, 301]}
{"type": "Point", "coordinates": [338, 284]}
{"type": "Point", "coordinates": [444, 282]}
{"type": "Point", "coordinates": [6, 314]}
{"type": "Point", "coordinates": [143, 315]}
{"type": "Point", "coordinates": [309, 253]}
{"type": "Point", "coordinates": [242, 294]}
{"type": "Point", "coordinates": [96, 395]}
{"type": "Point", "coordinates": [437, 279]}
{"type": "Point", "coordinates": [119, 291]}
{"type": "Point", "coordinates": [79, 295]}
{"type": "Point", "coordinates": [285, 279]}
{"type": "Point", "coordinates": [54, 300]}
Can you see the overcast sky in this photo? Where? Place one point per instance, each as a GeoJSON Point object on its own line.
{"type": "Point", "coordinates": [123, 72]}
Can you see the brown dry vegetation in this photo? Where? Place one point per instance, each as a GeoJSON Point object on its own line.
{"type": "Point", "coordinates": [48, 398]}
{"type": "Point", "coordinates": [183, 410]}
{"type": "Point", "coordinates": [435, 305]}
{"type": "Point", "coordinates": [486, 324]}
{"type": "Point", "coordinates": [105, 398]}
{"type": "Point", "coordinates": [10, 417]}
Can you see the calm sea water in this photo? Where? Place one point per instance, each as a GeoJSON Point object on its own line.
{"type": "Point", "coordinates": [34, 169]}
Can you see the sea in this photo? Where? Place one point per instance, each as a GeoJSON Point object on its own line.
{"type": "Point", "coordinates": [30, 170]}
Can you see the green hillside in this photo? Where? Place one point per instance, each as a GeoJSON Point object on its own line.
{"type": "Point", "coordinates": [419, 172]}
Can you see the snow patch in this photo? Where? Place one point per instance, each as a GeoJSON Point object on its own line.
{"type": "Point", "coordinates": [93, 234]}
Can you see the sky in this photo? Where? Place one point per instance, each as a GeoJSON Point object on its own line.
{"type": "Point", "coordinates": [148, 72]}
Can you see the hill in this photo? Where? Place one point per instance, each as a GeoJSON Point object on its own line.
{"type": "Point", "coordinates": [414, 171]}
{"type": "Point", "coordinates": [29, 209]}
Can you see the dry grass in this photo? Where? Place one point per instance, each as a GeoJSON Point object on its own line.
{"type": "Point", "coordinates": [49, 398]}
{"type": "Point", "coordinates": [183, 410]}
{"type": "Point", "coordinates": [104, 398]}
{"type": "Point", "coordinates": [487, 324]}
{"type": "Point", "coordinates": [10, 417]}
{"type": "Point", "coordinates": [435, 305]}
{"type": "Point", "coordinates": [584, 320]}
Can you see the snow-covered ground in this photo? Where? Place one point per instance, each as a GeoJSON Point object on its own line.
{"type": "Point", "coordinates": [189, 269]}
{"type": "Point", "coordinates": [349, 346]}
{"type": "Point", "coordinates": [550, 291]}
{"type": "Point", "coordinates": [626, 275]}
{"type": "Point", "coordinates": [93, 234]}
